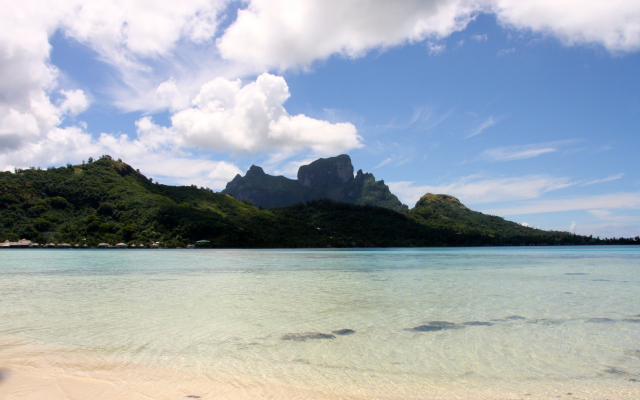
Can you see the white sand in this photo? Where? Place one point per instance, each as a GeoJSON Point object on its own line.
{"type": "Point", "coordinates": [36, 372]}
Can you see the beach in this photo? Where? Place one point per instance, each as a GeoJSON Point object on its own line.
{"type": "Point", "coordinates": [41, 373]}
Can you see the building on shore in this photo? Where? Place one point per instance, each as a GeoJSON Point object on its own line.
{"type": "Point", "coordinates": [22, 243]}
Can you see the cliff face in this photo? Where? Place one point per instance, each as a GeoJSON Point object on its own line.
{"type": "Point", "coordinates": [326, 172]}
{"type": "Point", "coordinates": [265, 190]}
{"type": "Point", "coordinates": [330, 178]}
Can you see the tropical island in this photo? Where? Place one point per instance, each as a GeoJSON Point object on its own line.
{"type": "Point", "coordinates": [107, 201]}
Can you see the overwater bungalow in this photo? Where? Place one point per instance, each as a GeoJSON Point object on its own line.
{"type": "Point", "coordinates": [121, 246]}
{"type": "Point", "coordinates": [20, 243]}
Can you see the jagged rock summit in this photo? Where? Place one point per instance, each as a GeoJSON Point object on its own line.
{"type": "Point", "coordinates": [326, 172]}
{"type": "Point", "coordinates": [324, 178]}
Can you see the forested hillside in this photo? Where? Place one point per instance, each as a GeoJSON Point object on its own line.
{"type": "Point", "coordinates": [109, 201]}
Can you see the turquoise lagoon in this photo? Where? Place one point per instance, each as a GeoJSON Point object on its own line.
{"type": "Point", "coordinates": [488, 321]}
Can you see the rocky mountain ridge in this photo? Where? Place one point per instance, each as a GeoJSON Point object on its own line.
{"type": "Point", "coordinates": [326, 178]}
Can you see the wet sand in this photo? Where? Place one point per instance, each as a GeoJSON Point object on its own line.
{"type": "Point", "coordinates": [38, 372]}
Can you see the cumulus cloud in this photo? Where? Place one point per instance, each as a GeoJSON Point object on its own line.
{"type": "Point", "coordinates": [230, 117]}
{"type": "Point", "coordinates": [124, 33]}
{"type": "Point", "coordinates": [155, 151]}
{"type": "Point", "coordinates": [290, 33]}
{"type": "Point", "coordinates": [122, 30]}
{"type": "Point", "coordinates": [613, 24]}
{"type": "Point", "coordinates": [476, 190]}
{"type": "Point", "coordinates": [74, 103]}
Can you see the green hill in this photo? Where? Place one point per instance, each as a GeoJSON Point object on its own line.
{"type": "Point", "coordinates": [108, 201]}
{"type": "Point", "coordinates": [446, 212]}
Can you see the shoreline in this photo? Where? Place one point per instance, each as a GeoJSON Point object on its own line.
{"type": "Point", "coordinates": [36, 371]}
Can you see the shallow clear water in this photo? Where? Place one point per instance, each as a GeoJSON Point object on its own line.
{"type": "Point", "coordinates": [569, 314]}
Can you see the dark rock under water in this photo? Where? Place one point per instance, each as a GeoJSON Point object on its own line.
{"type": "Point", "coordinates": [436, 326]}
{"type": "Point", "coordinates": [446, 324]}
{"type": "Point", "coordinates": [546, 321]}
{"type": "Point", "coordinates": [344, 332]}
{"type": "Point", "coordinates": [600, 320]}
{"type": "Point", "coordinates": [301, 337]}
{"type": "Point", "coordinates": [477, 323]}
{"type": "Point", "coordinates": [515, 317]}
{"type": "Point", "coordinates": [425, 328]}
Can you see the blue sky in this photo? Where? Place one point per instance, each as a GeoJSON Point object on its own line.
{"type": "Point", "coordinates": [527, 110]}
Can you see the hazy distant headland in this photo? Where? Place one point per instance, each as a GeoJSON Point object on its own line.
{"type": "Point", "coordinates": [108, 201]}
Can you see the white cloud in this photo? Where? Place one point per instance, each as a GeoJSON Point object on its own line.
{"type": "Point", "coordinates": [436, 48]}
{"type": "Point", "coordinates": [608, 179]}
{"type": "Point", "coordinates": [628, 228]}
{"type": "Point", "coordinates": [291, 33]}
{"type": "Point", "coordinates": [155, 152]}
{"type": "Point", "coordinates": [603, 201]}
{"type": "Point", "coordinates": [525, 224]}
{"type": "Point", "coordinates": [486, 124]}
{"type": "Point", "coordinates": [480, 38]}
{"type": "Point", "coordinates": [573, 226]}
{"type": "Point", "coordinates": [475, 190]}
{"type": "Point", "coordinates": [123, 30]}
{"type": "Point", "coordinates": [252, 118]}
{"type": "Point", "coordinates": [600, 213]}
{"type": "Point", "coordinates": [509, 153]}
{"type": "Point", "coordinates": [385, 162]}
{"type": "Point", "coordinates": [614, 24]}
{"type": "Point", "coordinates": [151, 42]}
{"type": "Point", "coordinates": [504, 52]}
{"type": "Point", "coordinates": [74, 103]}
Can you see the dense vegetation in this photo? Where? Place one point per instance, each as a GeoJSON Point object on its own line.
{"type": "Point", "coordinates": [108, 201]}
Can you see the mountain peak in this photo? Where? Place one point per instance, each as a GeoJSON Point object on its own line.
{"type": "Point", "coordinates": [255, 170]}
{"type": "Point", "coordinates": [326, 178]}
{"type": "Point", "coordinates": [430, 198]}
{"type": "Point", "coordinates": [326, 172]}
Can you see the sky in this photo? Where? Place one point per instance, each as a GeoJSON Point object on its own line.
{"type": "Point", "coordinates": [529, 110]}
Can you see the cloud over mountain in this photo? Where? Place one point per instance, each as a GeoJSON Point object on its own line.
{"type": "Point", "coordinates": [252, 118]}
